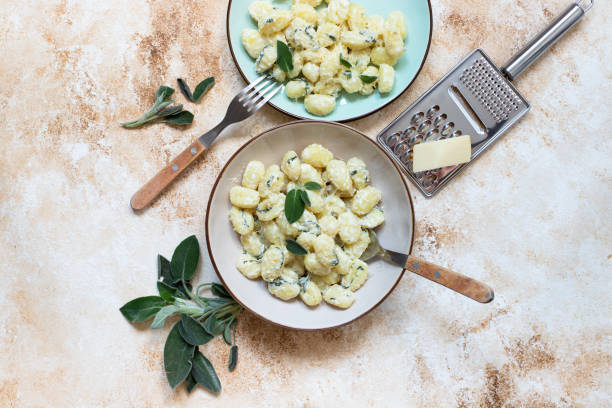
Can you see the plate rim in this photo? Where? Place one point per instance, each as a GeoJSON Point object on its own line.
{"type": "Point", "coordinates": [233, 157]}
{"type": "Point", "coordinates": [293, 115]}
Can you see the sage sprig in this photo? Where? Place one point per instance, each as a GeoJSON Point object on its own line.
{"type": "Point", "coordinates": [295, 248]}
{"type": "Point", "coordinates": [368, 79]}
{"type": "Point", "coordinates": [201, 89]}
{"type": "Point", "coordinates": [201, 318]}
{"type": "Point", "coordinates": [297, 199]}
{"type": "Point", "coordinates": [284, 58]}
{"type": "Point", "coordinates": [161, 111]}
{"type": "Point", "coordinates": [345, 62]}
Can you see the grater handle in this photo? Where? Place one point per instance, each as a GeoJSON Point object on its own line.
{"type": "Point", "coordinates": [547, 37]}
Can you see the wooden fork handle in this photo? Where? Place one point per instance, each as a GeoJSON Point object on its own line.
{"type": "Point", "coordinates": [459, 283]}
{"type": "Point", "coordinates": [157, 184]}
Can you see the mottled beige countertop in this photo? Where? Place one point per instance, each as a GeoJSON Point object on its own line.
{"type": "Point", "coordinates": [532, 217]}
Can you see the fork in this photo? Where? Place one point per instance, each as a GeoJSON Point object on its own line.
{"type": "Point", "coordinates": [245, 103]}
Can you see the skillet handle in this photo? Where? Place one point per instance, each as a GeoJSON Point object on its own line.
{"type": "Point", "coordinates": [459, 283]}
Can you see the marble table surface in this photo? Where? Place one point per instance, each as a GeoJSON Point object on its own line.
{"type": "Point", "coordinates": [532, 217]}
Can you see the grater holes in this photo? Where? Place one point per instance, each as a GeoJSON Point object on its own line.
{"type": "Point", "coordinates": [429, 180]}
{"type": "Point", "coordinates": [432, 111]}
{"type": "Point", "coordinates": [401, 148]}
{"type": "Point", "coordinates": [409, 132]}
{"type": "Point", "coordinates": [406, 157]}
{"type": "Point", "coordinates": [447, 129]}
{"type": "Point", "coordinates": [424, 126]}
{"type": "Point", "coordinates": [392, 139]}
{"type": "Point", "coordinates": [432, 135]}
{"type": "Point", "coordinates": [417, 117]}
{"type": "Point", "coordinates": [439, 120]}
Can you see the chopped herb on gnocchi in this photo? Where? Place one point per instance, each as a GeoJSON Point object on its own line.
{"type": "Point", "coordinates": [333, 49]}
{"type": "Point", "coordinates": [315, 258]}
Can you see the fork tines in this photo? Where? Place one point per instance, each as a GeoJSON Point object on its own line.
{"type": "Point", "coordinates": [259, 92]}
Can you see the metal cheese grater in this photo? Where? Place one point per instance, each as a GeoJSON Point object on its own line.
{"type": "Point", "coordinates": [475, 98]}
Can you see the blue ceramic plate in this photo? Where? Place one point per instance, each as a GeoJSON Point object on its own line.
{"type": "Point", "coordinates": [348, 107]}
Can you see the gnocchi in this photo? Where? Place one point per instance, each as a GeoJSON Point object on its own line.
{"type": "Point", "coordinates": [333, 48]}
{"type": "Point", "coordinates": [332, 230]}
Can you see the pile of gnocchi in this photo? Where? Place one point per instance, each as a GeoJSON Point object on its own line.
{"type": "Point", "coordinates": [334, 48]}
{"type": "Point", "coordinates": [333, 229]}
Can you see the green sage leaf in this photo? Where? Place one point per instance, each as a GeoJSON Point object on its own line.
{"type": "Point", "coordinates": [213, 326]}
{"type": "Point", "coordinates": [193, 332]}
{"type": "Point", "coordinates": [166, 291]}
{"type": "Point", "coordinates": [284, 59]}
{"type": "Point", "coordinates": [368, 79]}
{"type": "Point", "coordinates": [185, 259]}
{"type": "Point", "coordinates": [184, 89]}
{"type": "Point", "coordinates": [219, 290]}
{"type": "Point", "coordinates": [294, 206]}
{"type": "Point", "coordinates": [204, 373]}
{"type": "Point", "coordinates": [163, 269]}
{"type": "Point", "coordinates": [345, 62]}
{"type": "Point", "coordinates": [190, 382]}
{"type": "Point", "coordinates": [305, 198]}
{"type": "Point", "coordinates": [216, 303]}
{"type": "Point", "coordinates": [177, 357]}
{"type": "Point", "coordinates": [233, 358]}
{"type": "Point", "coordinates": [227, 334]}
{"type": "Point", "coordinates": [142, 308]}
{"type": "Point", "coordinates": [181, 291]}
{"type": "Point", "coordinates": [163, 93]}
{"type": "Point", "coordinates": [162, 315]}
{"type": "Point", "coordinates": [312, 186]}
{"type": "Point", "coordinates": [181, 118]}
{"type": "Point", "coordinates": [295, 248]}
{"type": "Point", "coordinates": [202, 88]}
{"type": "Point", "coordinates": [169, 111]}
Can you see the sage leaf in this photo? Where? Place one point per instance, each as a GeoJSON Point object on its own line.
{"type": "Point", "coordinates": [345, 62]}
{"type": "Point", "coordinates": [177, 357]}
{"type": "Point", "coordinates": [294, 206]}
{"type": "Point", "coordinates": [185, 259]}
{"type": "Point", "coordinates": [233, 358]}
{"type": "Point", "coordinates": [312, 186]}
{"type": "Point", "coordinates": [163, 93]}
{"type": "Point", "coordinates": [204, 373]}
{"type": "Point", "coordinates": [227, 334]}
{"type": "Point", "coordinates": [163, 269]}
{"type": "Point", "coordinates": [193, 332]}
{"type": "Point", "coordinates": [181, 291]}
{"type": "Point", "coordinates": [184, 89]}
{"type": "Point", "coordinates": [284, 59]}
{"type": "Point", "coordinates": [219, 290]}
{"type": "Point", "coordinates": [213, 326]}
{"type": "Point", "coordinates": [167, 292]}
{"type": "Point", "coordinates": [202, 88]}
{"type": "Point", "coordinates": [181, 118]}
{"type": "Point", "coordinates": [162, 315]}
{"type": "Point", "coordinates": [170, 111]}
{"type": "Point", "coordinates": [216, 303]}
{"type": "Point", "coordinates": [142, 308]}
{"type": "Point", "coordinates": [295, 248]}
{"type": "Point", "coordinates": [305, 198]}
{"type": "Point", "coordinates": [190, 382]}
{"type": "Point", "coordinates": [368, 79]}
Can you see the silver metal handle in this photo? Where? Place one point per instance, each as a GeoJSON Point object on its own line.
{"type": "Point", "coordinates": [542, 42]}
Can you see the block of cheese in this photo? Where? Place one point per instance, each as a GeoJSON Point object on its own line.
{"type": "Point", "coordinates": [442, 153]}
